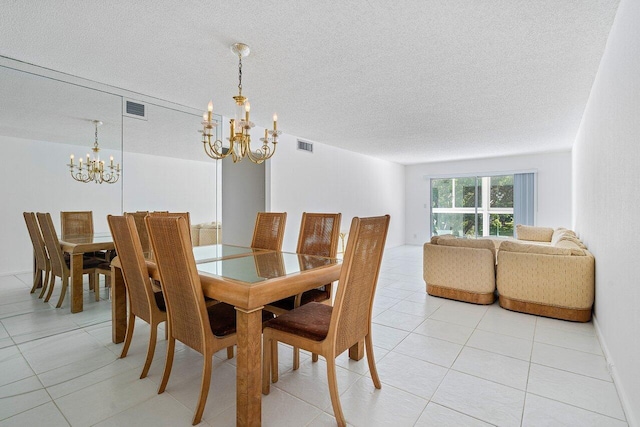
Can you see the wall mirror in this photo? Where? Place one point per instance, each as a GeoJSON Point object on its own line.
{"type": "Point", "coordinates": [44, 119]}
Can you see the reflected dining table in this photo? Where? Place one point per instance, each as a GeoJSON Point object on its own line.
{"type": "Point", "coordinates": [76, 246]}
{"type": "Point", "coordinates": [248, 279]}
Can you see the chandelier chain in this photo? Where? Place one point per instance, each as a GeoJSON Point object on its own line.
{"type": "Point", "coordinates": [240, 74]}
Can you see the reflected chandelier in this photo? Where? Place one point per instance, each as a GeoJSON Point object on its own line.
{"type": "Point", "coordinates": [94, 169]}
{"type": "Point", "coordinates": [239, 127]}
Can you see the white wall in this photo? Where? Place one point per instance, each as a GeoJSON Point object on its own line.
{"type": "Point", "coordinates": [553, 184]}
{"type": "Point", "coordinates": [334, 180]}
{"type": "Point", "coordinates": [607, 203]}
{"type": "Point", "coordinates": [35, 179]}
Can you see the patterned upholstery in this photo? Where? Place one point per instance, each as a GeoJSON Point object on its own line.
{"type": "Point", "coordinates": [536, 234]}
{"type": "Point", "coordinates": [555, 281]}
{"type": "Point", "coordinates": [461, 269]}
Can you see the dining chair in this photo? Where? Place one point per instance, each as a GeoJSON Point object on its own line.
{"type": "Point", "coordinates": [204, 329]}
{"type": "Point", "coordinates": [268, 232]}
{"type": "Point", "coordinates": [60, 264]}
{"type": "Point", "coordinates": [144, 302]}
{"type": "Point", "coordinates": [319, 235]}
{"type": "Point", "coordinates": [331, 330]}
{"type": "Point", "coordinates": [75, 223]}
{"type": "Point", "coordinates": [41, 262]}
{"type": "Point", "coordinates": [185, 215]}
{"type": "Point", "coordinates": [141, 227]}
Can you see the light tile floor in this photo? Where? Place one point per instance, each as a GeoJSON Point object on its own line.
{"type": "Point", "coordinates": [441, 362]}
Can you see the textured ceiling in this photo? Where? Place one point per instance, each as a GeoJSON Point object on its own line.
{"type": "Point", "coordinates": [411, 81]}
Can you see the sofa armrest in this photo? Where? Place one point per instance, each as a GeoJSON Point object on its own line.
{"type": "Point", "coordinates": [566, 281]}
{"type": "Point", "coordinates": [468, 269]}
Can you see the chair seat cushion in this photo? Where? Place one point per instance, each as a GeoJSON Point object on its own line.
{"type": "Point", "coordinates": [222, 318]}
{"type": "Point", "coordinates": [160, 301]}
{"type": "Point", "coordinates": [308, 321]}
{"type": "Point", "coordinates": [314, 295]}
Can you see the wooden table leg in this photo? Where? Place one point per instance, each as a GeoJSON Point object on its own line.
{"type": "Point", "coordinates": [118, 306]}
{"type": "Point", "coordinates": [76, 283]}
{"type": "Point", "coordinates": [357, 351]}
{"type": "Point", "coordinates": [249, 368]}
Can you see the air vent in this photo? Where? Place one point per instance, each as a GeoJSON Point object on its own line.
{"type": "Point", "coordinates": [135, 109]}
{"type": "Point", "coordinates": [305, 146]}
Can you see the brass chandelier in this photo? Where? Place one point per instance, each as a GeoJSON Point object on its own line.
{"type": "Point", "coordinates": [94, 168]}
{"type": "Point", "coordinates": [239, 127]}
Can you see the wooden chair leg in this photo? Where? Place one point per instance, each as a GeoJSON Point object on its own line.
{"type": "Point", "coordinates": [274, 361]}
{"type": "Point", "coordinates": [131, 323]}
{"type": "Point", "coordinates": [153, 337]}
{"type": "Point", "coordinates": [314, 357]}
{"type": "Point", "coordinates": [92, 281]}
{"type": "Point", "coordinates": [45, 283]}
{"type": "Point", "coordinates": [37, 274]}
{"type": "Point", "coordinates": [168, 364]}
{"type": "Point", "coordinates": [166, 330]}
{"type": "Point", "coordinates": [63, 291]}
{"type": "Point", "coordinates": [96, 286]}
{"type": "Point", "coordinates": [333, 391]}
{"type": "Point", "coordinates": [230, 352]}
{"type": "Point", "coordinates": [266, 366]}
{"type": "Point", "coordinates": [372, 362]}
{"type": "Point", "coordinates": [52, 282]}
{"type": "Point", "coordinates": [296, 358]}
{"type": "Point", "coordinates": [204, 387]}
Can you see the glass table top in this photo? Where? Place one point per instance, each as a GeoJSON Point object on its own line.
{"type": "Point", "coordinates": [214, 252]}
{"type": "Point", "coordinates": [263, 266]}
{"type": "Point", "coordinates": [87, 238]}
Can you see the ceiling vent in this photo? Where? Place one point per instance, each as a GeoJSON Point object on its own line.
{"type": "Point", "coordinates": [135, 109]}
{"type": "Point", "coordinates": [305, 146]}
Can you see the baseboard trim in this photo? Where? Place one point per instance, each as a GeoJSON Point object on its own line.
{"type": "Point", "coordinates": [611, 366]}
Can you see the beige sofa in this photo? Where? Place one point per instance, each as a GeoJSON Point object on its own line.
{"type": "Point", "coordinates": [460, 269]}
{"type": "Point", "coordinates": [208, 233]}
{"type": "Point", "coordinates": [546, 272]}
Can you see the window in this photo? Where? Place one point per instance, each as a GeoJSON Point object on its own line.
{"type": "Point", "coordinates": [473, 206]}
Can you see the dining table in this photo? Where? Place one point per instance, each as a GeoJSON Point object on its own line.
{"type": "Point", "coordinates": [76, 246]}
{"type": "Point", "coordinates": [248, 279]}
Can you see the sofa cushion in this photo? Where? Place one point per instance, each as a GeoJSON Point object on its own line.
{"type": "Point", "coordinates": [572, 239]}
{"type": "Point", "coordinates": [469, 243]}
{"type": "Point", "coordinates": [538, 249]}
{"type": "Point", "coordinates": [559, 233]}
{"type": "Point", "coordinates": [575, 248]}
{"type": "Point", "coordinates": [435, 239]}
{"type": "Point", "coordinates": [536, 234]}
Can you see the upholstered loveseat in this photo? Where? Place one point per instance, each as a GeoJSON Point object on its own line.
{"type": "Point", "coordinates": [546, 272]}
{"type": "Point", "coordinates": [208, 233]}
{"type": "Point", "coordinates": [460, 269]}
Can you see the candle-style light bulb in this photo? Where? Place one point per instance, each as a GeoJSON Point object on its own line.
{"type": "Point", "coordinates": [111, 162]}
{"type": "Point", "coordinates": [247, 108]}
{"type": "Point", "coordinates": [207, 117]}
{"type": "Point", "coordinates": [71, 158]}
{"type": "Point", "coordinates": [275, 121]}
{"type": "Point", "coordinates": [210, 106]}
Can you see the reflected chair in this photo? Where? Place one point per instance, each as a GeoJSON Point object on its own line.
{"type": "Point", "coordinates": [59, 263]}
{"type": "Point", "coordinates": [330, 331]}
{"type": "Point", "coordinates": [74, 223]}
{"type": "Point", "coordinates": [144, 302]}
{"type": "Point", "coordinates": [319, 235]}
{"type": "Point", "coordinates": [204, 329]}
{"type": "Point", "coordinates": [41, 262]}
{"type": "Point", "coordinates": [268, 232]}
{"type": "Point", "coordinates": [141, 227]}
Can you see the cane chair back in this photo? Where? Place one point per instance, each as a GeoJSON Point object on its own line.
{"type": "Point", "coordinates": [143, 301]}
{"type": "Point", "coordinates": [204, 329]}
{"type": "Point", "coordinates": [141, 227]}
{"type": "Point", "coordinates": [41, 258]}
{"type": "Point", "coordinates": [76, 222]}
{"type": "Point", "coordinates": [184, 215]}
{"type": "Point", "coordinates": [268, 232]}
{"type": "Point", "coordinates": [59, 265]}
{"type": "Point", "coordinates": [329, 331]}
